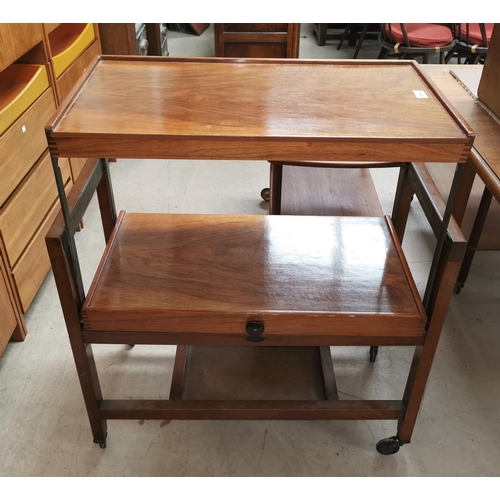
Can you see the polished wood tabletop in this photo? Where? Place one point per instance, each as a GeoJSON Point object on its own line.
{"type": "Point", "coordinates": [485, 124]}
{"type": "Point", "coordinates": [213, 108]}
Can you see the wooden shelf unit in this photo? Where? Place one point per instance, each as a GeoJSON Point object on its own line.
{"type": "Point", "coordinates": [249, 282]}
{"type": "Point", "coordinates": [39, 65]}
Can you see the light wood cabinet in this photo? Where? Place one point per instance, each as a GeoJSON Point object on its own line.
{"type": "Point", "coordinates": [39, 64]}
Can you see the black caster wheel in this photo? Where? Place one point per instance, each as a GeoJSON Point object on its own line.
{"type": "Point", "coordinates": [388, 446]}
{"type": "Point", "coordinates": [458, 288]}
{"type": "Point", "coordinates": [131, 345]}
{"type": "Point", "coordinates": [265, 194]}
{"type": "Point", "coordinates": [102, 445]}
{"type": "Point", "coordinates": [373, 353]}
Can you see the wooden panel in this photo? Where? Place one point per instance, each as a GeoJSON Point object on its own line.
{"type": "Point", "coordinates": [77, 165]}
{"type": "Point", "coordinates": [34, 264]}
{"type": "Point", "coordinates": [489, 86]}
{"type": "Point", "coordinates": [16, 39]}
{"type": "Point", "coordinates": [246, 373]}
{"type": "Point", "coordinates": [255, 27]}
{"type": "Point", "coordinates": [276, 110]}
{"type": "Point", "coordinates": [442, 175]}
{"type": "Point", "coordinates": [118, 38]}
{"type": "Point", "coordinates": [24, 212]}
{"type": "Point", "coordinates": [8, 323]}
{"type": "Point", "coordinates": [69, 78]}
{"type": "Point", "coordinates": [23, 143]}
{"type": "Point", "coordinates": [486, 126]}
{"type": "Point", "coordinates": [329, 191]}
{"type": "Point", "coordinates": [252, 49]}
{"type": "Point", "coordinates": [325, 276]}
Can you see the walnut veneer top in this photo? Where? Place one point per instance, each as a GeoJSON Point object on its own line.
{"type": "Point", "coordinates": [256, 109]}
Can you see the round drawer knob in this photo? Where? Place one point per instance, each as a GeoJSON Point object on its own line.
{"type": "Point", "coordinates": [255, 328]}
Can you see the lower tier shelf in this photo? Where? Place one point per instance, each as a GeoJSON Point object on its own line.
{"type": "Point", "coordinates": [202, 278]}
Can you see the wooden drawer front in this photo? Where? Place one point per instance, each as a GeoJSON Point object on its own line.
{"type": "Point", "coordinates": [67, 42]}
{"type": "Point", "coordinates": [16, 39]}
{"type": "Point", "coordinates": [255, 27]}
{"type": "Point", "coordinates": [23, 143]}
{"type": "Point", "coordinates": [34, 264]}
{"type": "Point", "coordinates": [8, 321]}
{"type": "Point", "coordinates": [23, 214]}
{"type": "Point", "coordinates": [260, 50]}
{"type": "Point", "coordinates": [69, 78]}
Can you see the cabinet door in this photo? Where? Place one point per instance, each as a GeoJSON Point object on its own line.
{"type": "Point", "coordinates": [16, 39]}
{"type": "Point", "coordinates": [8, 321]}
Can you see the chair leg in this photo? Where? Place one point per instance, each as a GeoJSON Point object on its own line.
{"type": "Point", "coordinates": [360, 41]}
{"type": "Point", "coordinates": [344, 36]}
{"type": "Point", "coordinates": [402, 202]}
{"type": "Point", "coordinates": [322, 34]}
{"type": "Point", "coordinates": [275, 189]}
{"type": "Point", "coordinates": [448, 57]}
{"type": "Point", "coordinates": [475, 236]}
{"type": "Point", "coordinates": [425, 58]}
{"type": "Point", "coordinates": [384, 52]}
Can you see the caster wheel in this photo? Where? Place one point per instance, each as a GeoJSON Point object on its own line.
{"type": "Point", "coordinates": [265, 194]}
{"type": "Point", "coordinates": [388, 446]}
{"type": "Point", "coordinates": [102, 445]}
{"type": "Point", "coordinates": [131, 345]}
{"type": "Point", "coordinates": [373, 353]}
{"type": "Point", "coordinates": [458, 288]}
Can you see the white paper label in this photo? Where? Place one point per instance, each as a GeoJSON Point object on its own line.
{"type": "Point", "coordinates": [23, 128]}
{"type": "Point", "coordinates": [420, 94]}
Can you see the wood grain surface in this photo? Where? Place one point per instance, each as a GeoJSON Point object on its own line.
{"type": "Point", "coordinates": [214, 273]}
{"type": "Point", "coordinates": [312, 110]}
{"type": "Point", "coordinates": [485, 125]}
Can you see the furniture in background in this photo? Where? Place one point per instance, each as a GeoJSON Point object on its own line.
{"type": "Point", "coordinates": [268, 40]}
{"type": "Point", "coordinates": [39, 64]}
{"type": "Point", "coordinates": [237, 283]}
{"type": "Point", "coordinates": [353, 28]}
{"type": "Point", "coordinates": [134, 39]}
{"type": "Point", "coordinates": [475, 93]}
{"type": "Point", "coordinates": [471, 42]}
{"type": "Point", "coordinates": [415, 39]}
{"type": "Point", "coordinates": [327, 31]}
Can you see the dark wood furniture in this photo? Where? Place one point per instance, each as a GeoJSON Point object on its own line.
{"type": "Point", "coordinates": [257, 40]}
{"type": "Point", "coordinates": [39, 63]}
{"type": "Point", "coordinates": [134, 38]}
{"type": "Point", "coordinates": [218, 282]}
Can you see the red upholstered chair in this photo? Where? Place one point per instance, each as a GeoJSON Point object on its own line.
{"type": "Point", "coordinates": [415, 39]}
{"type": "Point", "coordinates": [471, 41]}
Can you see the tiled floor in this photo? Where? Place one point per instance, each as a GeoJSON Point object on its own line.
{"type": "Point", "coordinates": [43, 425]}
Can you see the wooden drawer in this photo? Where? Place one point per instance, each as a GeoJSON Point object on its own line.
{"type": "Point", "coordinates": [34, 264]}
{"type": "Point", "coordinates": [16, 39]}
{"type": "Point", "coordinates": [25, 211]}
{"type": "Point", "coordinates": [255, 27]}
{"type": "Point", "coordinates": [49, 27]}
{"type": "Point", "coordinates": [20, 86]}
{"type": "Point", "coordinates": [8, 323]}
{"type": "Point", "coordinates": [67, 42]}
{"type": "Point", "coordinates": [23, 143]}
{"type": "Point", "coordinates": [65, 82]}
